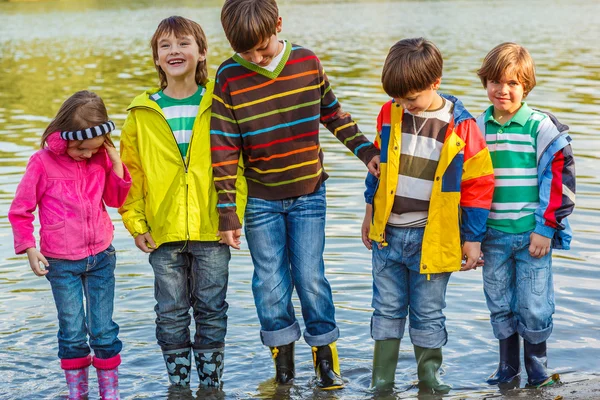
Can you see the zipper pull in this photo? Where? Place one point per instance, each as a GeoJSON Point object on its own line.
{"type": "Point", "coordinates": [186, 178]}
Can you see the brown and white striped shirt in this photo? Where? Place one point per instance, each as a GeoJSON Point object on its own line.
{"type": "Point", "coordinates": [422, 140]}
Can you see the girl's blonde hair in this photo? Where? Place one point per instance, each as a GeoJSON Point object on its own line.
{"type": "Point", "coordinates": [508, 59]}
{"type": "Point", "coordinates": [82, 110]}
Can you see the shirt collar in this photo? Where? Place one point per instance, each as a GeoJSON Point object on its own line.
{"type": "Point", "coordinates": [521, 117]}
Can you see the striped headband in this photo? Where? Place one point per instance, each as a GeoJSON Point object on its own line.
{"type": "Point", "coordinates": [89, 133]}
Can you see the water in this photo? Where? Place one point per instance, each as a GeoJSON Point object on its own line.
{"type": "Point", "coordinates": [48, 50]}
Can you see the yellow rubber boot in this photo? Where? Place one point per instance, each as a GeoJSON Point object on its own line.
{"type": "Point", "coordinates": [327, 367]}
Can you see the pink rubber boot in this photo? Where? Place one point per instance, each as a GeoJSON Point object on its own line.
{"type": "Point", "coordinates": [76, 374]}
{"type": "Point", "coordinates": [108, 376]}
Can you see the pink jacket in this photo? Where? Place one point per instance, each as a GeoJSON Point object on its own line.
{"type": "Point", "coordinates": [72, 197]}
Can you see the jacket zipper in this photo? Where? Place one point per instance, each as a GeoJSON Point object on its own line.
{"type": "Point", "coordinates": [183, 161]}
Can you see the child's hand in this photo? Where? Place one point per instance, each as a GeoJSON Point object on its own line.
{"type": "Point", "coordinates": [115, 160]}
{"type": "Point", "coordinates": [113, 154]}
{"type": "Point", "coordinates": [539, 245]}
{"type": "Point", "coordinates": [231, 238]}
{"type": "Point", "coordinates": [145, 243]}
{"type": "Point", "coordinates": [471, 253]}
{"type": "Point", "coordinates": [366, 227]}
{"type": "Point", "coordinates": [373, 166]}
{"type": "Point", "coordinates": [35, 258]}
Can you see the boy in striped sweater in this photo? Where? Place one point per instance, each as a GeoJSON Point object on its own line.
{"type": "Point", "coordinates": [534, 193]}
{"type": "Point", "coordinates": [425, 216]}
{"type": "Point", "coordinates": [269, 100]}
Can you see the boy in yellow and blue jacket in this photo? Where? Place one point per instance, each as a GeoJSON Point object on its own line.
{"type": "Point", "coordinates": [426, 214]}
{"type": "Point", "coordinates": [171, 210]}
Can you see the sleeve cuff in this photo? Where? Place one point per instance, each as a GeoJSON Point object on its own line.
{"type": "Point", "coordinates": [229, 221]}
{"type": "Point", "coordinates": [20, 249]}
{"type": "Point", "coordinates": [369, 153]}
{"type": "Point", "coordinates": [544, 230]}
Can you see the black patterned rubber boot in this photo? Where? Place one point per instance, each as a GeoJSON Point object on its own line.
{"type": "Point", "coordinates": [179, 365]}
{"type": "Point", "coordinates": [283, 357]}
{"type": "Point", "coordinates": [209, 363]}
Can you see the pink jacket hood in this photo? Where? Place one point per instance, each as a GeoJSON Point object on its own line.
{"type": "Point", "coordinates": [71, 197]}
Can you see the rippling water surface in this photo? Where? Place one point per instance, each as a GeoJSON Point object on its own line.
{"type": "Point", "coordinates": [48, 50]}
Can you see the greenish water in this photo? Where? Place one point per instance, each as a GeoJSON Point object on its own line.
{"type": "Point", "coordinates": [48, 50]}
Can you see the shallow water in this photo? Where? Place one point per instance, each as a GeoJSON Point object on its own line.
{"type": "Point", "coordinates": [48, 50]}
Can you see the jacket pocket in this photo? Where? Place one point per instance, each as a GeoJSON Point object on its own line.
{"type": "Point", "coordinates": [53, 238]}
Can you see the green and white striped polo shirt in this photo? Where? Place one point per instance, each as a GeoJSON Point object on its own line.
{"type": "Point", "coordinates": [180, 115]}
{"type": "Point", "coordinates": [514, 151]}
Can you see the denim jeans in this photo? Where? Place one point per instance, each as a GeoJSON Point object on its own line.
{"type": "Point", "coordinates": [518, 287]}
{"type": "Point", "coordinates": [286, 239]}
{"type": "Point", "coordinates": [400, 290]}
{"type": "Point", "coordinates": [94, 278]}
{"type": "Point", "coordinates": [190, 274]}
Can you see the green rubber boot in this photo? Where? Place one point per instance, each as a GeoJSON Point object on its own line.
{"type": "Point", "coordinates": [385, 359]}
{"type": "Point", "coordinates": [429, 362]}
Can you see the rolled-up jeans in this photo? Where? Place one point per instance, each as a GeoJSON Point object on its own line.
{"type": "Point", "coordinates": [400, 290]}
{"type": "Point", "coordinates": [286, 239]}
{"type": "Point", "coordinates": [518, 288]}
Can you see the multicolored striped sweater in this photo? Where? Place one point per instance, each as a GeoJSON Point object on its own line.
{"type": "Point", "coordinates": [272, 119]}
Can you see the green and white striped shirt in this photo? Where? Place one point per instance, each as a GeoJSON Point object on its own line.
{"type": "Point", "coordinates": [180, 115]}
{"type": "Point", "coordinates": [515, 148]}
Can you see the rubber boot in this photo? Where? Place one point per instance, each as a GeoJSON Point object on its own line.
{"type": "Point", "coordinates": [283, 357]}
{"type": "Point", "coordinates": [429, 362]}
{"type": "Point", "coordinates": [107, 370]}
{"type": "Point", "coordinates": [179, 365]}
{"type": "Point", "coordinates": [536, 364]}
{"type": "Point", "coordinates": [209, 364]}
{"type": "Point", "coordinates": [76, 374]}
{"type": "Point", "coordinates": [385, 360]}
{"type": "Point", "coordinates": [327, 367]}
{"type": "Point", "coordinates": [509, 366]}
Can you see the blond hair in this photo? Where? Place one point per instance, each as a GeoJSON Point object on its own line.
{"type": "Point", "coordinates": [249, 22]}
{"type": "Point", "coordinates": [179, 27]}
{"type": "Point", "coordinates": [508, 59]}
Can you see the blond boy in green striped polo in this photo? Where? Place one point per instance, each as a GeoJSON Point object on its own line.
{"type": "Point", "coordinates": [534, 193]}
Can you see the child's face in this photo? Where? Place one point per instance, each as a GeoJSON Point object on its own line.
{"type": "Point", "coordinates": [506, 95]}
{"type": "Point", "coordinates": [425, 100]}
{"type": "Point", "coordinates": [81, 150]}
{"type": "Point", "coordinates": [178, 57]}
{"type": "Point", "coordinates": [263, 53]}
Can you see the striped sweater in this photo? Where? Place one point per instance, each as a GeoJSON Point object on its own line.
{"type": "Point", "coordinates": [272, 120]}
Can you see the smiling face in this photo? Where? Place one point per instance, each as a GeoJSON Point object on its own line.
{"type": "Point", "coordinates": [178, 57]}
{"type": "Point", "coordinates": [263, 53]}
{"type": "Point", "coordinates": [81, 150]}
{"type": "Point", "coordinates": [506, 95]}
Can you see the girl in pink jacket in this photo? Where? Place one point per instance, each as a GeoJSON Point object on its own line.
{"type": "Point", "coordinates": [71, 180]}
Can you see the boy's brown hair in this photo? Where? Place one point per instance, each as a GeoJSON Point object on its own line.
{"type": "Point", "coordinates": [508, 59]}
{"type": "Point", "coordinates": [180, 27]}
{"type": "Point", "coordinates": [249, 22]}
{"type": "Point", "coordinates": [82, 110]}
{"type": "Point", "coordinates": [412, 65]}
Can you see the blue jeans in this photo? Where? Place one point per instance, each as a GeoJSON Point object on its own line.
{"type": "Point", "coordinates": [190, 274]}
{"type": "Point", "coordinates": [518, 287]}
{"type": "Point", "coordinates": [400, 290]}
{"type": "Point", "coordinates": [93, 277]}
{"type": "Point", "coordinates": [286, 240]}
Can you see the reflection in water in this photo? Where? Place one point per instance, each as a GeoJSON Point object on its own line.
{"type": "Point", "coordinates": [48, 50]}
